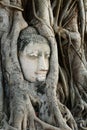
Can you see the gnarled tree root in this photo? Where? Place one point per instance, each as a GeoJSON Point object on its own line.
{"type": "Point", "coordinates": [32, 118]}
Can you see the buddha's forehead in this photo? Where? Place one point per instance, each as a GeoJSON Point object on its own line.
{"type": "Point", "coordinates": [32, 41]}
{"type": "Point", "coordinates": [37, 46]}
{"type": "Point", "coordinates": [33, 38]}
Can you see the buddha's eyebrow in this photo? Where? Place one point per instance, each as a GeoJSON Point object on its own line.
{"type": "Point", "coordinates": [32, 52]}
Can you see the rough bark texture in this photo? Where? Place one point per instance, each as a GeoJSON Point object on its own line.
{"type": "Point", "coordinates": [59, 103]}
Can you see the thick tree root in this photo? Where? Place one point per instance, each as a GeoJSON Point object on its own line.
{"type": "Point", "coordinates": [6, 126]}
{"type": "Point", "coordinates": [67, 116]}
{"type": "Point", "coordinates": [22, 115]}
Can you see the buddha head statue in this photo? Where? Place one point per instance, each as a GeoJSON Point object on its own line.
{"type": "Point", "coordinates": [34, 53]}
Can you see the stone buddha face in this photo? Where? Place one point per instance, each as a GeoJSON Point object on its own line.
{"type": "Point", "coordinates": [34, 60]}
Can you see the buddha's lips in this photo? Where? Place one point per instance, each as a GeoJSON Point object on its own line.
{"type": "Point", "coordinates": [41, 72]}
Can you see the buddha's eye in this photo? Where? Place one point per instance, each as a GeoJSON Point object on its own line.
{"type": "Point", "coordinates": [32, 55]}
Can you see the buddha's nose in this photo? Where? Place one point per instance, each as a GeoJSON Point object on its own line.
{"type": "Point", "coordinates": [42, 65]}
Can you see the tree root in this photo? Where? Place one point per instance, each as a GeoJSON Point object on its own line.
{"type": "Point", "coordinates": [29, 115]}
{"type": "Point", "coordinates": [67, 116]}
{"type": "Point", "coordinates": [20, 118]}
{"type": "Point", "coordinates": [82, 124]}
{"type": "Point", "coordinates": [11, 6]}
{"type": "Point", "coordinates": [33, 117]}
{"type": "Point", "coordinates": [46, 126]}
{"type": "Point", "coordinates": [6, 126]}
